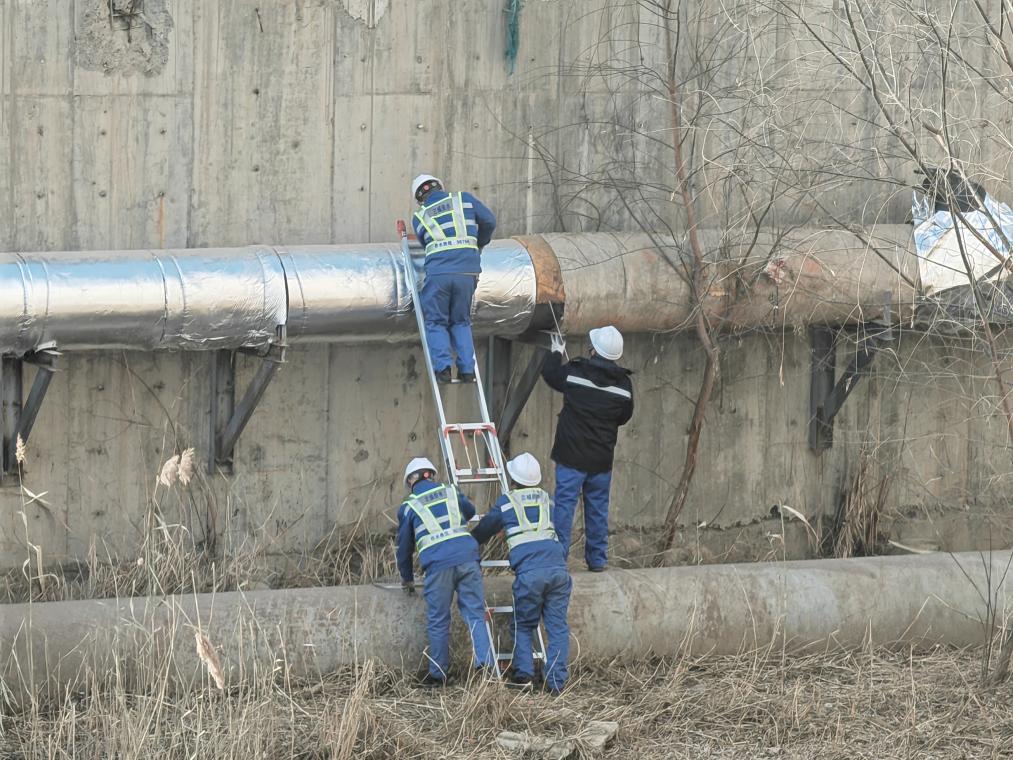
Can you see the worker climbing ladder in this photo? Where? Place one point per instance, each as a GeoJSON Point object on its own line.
{"type": "Point", "coordinates": [478, 456]}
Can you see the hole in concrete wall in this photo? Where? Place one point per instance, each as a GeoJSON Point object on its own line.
{"type": "Point", "coordinates": [128, 16]}
{"type": "Point", "coordinates": [124, 37]}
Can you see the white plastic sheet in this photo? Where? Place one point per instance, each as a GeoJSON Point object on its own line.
{"type": "Point", "coordinates": [986, 236]}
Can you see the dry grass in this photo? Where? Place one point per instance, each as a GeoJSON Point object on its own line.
{"type": "Point", "coordinates": [870, 705]}
{"type": "Point", "coordinates": [854, 531]}
{"type": "Point", "coordinates": [169, 563]}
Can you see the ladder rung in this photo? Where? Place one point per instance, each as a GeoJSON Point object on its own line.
{"type": "Point", "coordinates": [478, 480]}
{"type": "Point", "coordinates": [499, 610]}
{"type": "Point", "coordinates": [495, 563]}
{"type": "Point", "coordinates": [469, 427]}
{"type": "Point", "coordinates": [477, 471]}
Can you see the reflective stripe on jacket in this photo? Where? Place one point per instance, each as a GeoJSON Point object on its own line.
{"type": "Point", "coordinates": [435, 529]}
{"type": "Point", "coordinates": [446, 224]}
{"type": "Point", "coordinates": [597, 401]}
{"type": "Point", "coordinates": [526, 531]}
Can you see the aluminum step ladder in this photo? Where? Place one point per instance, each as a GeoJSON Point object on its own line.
{"type": "Point", "coordinates": [478, 458]}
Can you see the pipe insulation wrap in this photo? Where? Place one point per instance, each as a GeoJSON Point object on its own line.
{"type": "Point", "coordinates": [239, 297]}
{"type": "Point", "coordinates": [707, 609]}
{"type": "Point", "coordinates": [146, 300]}
{"type": "Point", "coordinates": [236, 297]}
{"type": "Point", "coordinates": [359, 293]}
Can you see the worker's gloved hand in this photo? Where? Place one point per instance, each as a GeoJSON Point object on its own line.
{"type": "Point", "coordinates": [558, 343]}
{"type": "Point", "coordinates": [408, 587]}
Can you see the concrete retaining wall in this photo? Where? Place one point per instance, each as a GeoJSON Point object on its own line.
{"type": "Point", "coordinates": [241, 122]}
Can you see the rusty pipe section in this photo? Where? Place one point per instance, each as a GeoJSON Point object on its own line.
{"type": "Point", "coordinates": [240, 297]}
{"type": "Point", "coordinates": [707, 609]}
{"type": "Point", "coordinates": [770, 279]}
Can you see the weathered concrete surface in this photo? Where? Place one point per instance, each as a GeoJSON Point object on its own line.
{"type": "Point", "coordinates": [327, 444]}
{"type": "Point", "coordinates": [721, 609]}
{"type": "Point", "coordinates": [303, 122]}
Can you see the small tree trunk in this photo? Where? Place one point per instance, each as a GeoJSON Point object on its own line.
{"type": "Point", "coordinates": [697, 290]}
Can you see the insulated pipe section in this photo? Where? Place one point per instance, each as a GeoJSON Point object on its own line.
{"type": "Point", "coordinates": [239, 297]}
{"type": "Point", "coordinates": [147, 300]}
{"type": "Point", "coordinates": [236, 297]}
{"type": "Point", "coordinates": [356, 294]}
{"type": "Point", "coordinates": [719, 609]}
{"type": "Point", "coordinates": [641, 282]}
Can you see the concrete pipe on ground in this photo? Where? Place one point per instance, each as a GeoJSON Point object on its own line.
{"type": "Point", "coordinates": [240, 297]}
{"type": "Point", "coordinates": [720, 609]}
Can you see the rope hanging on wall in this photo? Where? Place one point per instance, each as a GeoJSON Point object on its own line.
{"type": "Point", "coordinates": [513, 31]}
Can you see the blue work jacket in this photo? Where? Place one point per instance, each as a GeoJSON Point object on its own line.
{"type": "Point", "coordinates": [455, 551]}
{"type": "Point", "coordinates": [535, 554]}
{"type": "Point", "coordinates": [480, 222]}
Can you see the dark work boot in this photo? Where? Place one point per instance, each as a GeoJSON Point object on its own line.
{"type": "Point", "coordinates": [519, 682]}
{"type": "Point", "coordinates": [466, 377]}
{"type": "Point", "coordinates": [443, 376]}
{"type": "Point", "coordinates": [485, 671]}
{"type": "Point", "coordinates": [429, 681]}
{"type": "Point", "coordinates": [598, 569]}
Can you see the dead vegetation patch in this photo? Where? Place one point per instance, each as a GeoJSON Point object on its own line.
{"type": "Point", "coordinates": [874, 704]}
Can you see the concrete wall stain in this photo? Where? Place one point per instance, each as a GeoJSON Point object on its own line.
{"type": "Point", "coordinates": [124, 37]}
{"type": "Point", "coordinates": [368, 12]}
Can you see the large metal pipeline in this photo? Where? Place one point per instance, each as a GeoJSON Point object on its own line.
{"type": "Point", "coordinates": [234, 297]}
{"type": "Point", "coordinates": [720, 609]}
{"type": "Point", "coordinates": [240, 297]}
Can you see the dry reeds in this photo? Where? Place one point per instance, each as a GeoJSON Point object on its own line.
{"type": "Point", "coordinates": [854, 531]}
{"type": "Point", "coordinates": [208, 656]}
{"type": "Point", "coordinates": [859, 706]}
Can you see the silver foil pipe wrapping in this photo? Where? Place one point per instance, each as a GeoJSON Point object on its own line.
{"type": "Point", "coordinates": [145, 300]}
{"type": "Point", "coordinates": [236, 297]}
{"type": "Point", "coordinates": [356, 294]}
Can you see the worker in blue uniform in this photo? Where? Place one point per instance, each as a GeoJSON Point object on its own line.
{"type": "Point", "coordinates": [434, 520]}
{"type": "Point", "coordinates": [542, 583]}
{"type": "Point", "coordinates": [453, 228]}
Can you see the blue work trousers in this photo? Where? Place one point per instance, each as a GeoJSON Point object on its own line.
{"type": "Point", "coordinates": [438, 590]}
{"type": "Point", "coordinates": [446, 306]}
{"type": "Point", "coordinates": [542, 593]}
{"type": "Point", "coordinates": [570, 485]}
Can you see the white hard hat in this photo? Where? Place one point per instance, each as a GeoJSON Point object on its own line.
{"type": "Point", "coordinates": [607, 342]}
{"type": "Point", "coordinates": [420, 180]}
{"type": "Point", "coordinates": [524, 469]}
{"type": "Point", "coordinates": [418, 463]}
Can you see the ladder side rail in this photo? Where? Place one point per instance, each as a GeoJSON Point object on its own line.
{"type": "Point", "coordinates": [448, 458]}
{"type": "Point", "coordinates": [492, 439]}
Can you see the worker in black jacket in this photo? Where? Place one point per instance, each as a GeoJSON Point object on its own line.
{"type": "Point", "coordinates": [597, 400]}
